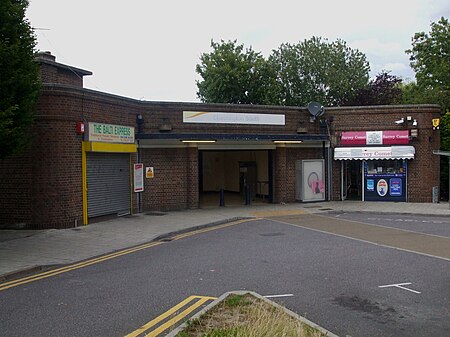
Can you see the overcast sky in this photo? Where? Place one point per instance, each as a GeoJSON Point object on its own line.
{"type": "Point", "coordinates": [148, 49]}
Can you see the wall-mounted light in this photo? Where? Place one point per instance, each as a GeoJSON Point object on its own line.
{"type": "Point", "coordinates": [414, 122]}
{"type": "Point", "coordinates": [400, 121]}
{"type": "Point", "coordinates": [288, 141]}
{"type": "Point", "coordinates": [140, 123]}
{"type": "Point", "coordinates": [197, 141]}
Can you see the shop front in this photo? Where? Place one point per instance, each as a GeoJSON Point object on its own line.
{"type": "Point", "coordinates": [374, 173]}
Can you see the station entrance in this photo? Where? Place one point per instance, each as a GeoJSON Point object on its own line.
{"type": "Point", "coordinates": [239, 177]}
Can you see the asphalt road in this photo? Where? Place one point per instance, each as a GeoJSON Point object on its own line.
{"type": "Point", "coordinates": [335, 281]}
{"type": "Point", "coordinates": [432, 225]}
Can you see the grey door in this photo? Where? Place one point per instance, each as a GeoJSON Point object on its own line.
{"type": "Point", "coordinates": [108, 183]}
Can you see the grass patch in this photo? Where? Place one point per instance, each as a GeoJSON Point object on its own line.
{"type": "Point", "coordinates": [247, 316]}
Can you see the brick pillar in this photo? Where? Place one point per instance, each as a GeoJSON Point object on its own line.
{"type": "Point", "coordinates": [192, 196]}
{"type": "Point", "coordinates": [280, 175]}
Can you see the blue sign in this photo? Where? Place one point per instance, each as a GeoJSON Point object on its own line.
{"type": "Point", "coordinates": [370, 185]}
{"type": "Point", "coordinates": [395, 187]}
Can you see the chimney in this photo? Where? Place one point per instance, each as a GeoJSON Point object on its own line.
{"type": "Point", "coordinates": [46, 56]}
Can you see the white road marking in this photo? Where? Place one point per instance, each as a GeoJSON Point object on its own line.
{"type": "Point", "coordinates": [400, 285]}
{"type": "Point", "coordinates": [365, 241]}
{"type": "Point", "coordinates": [276, 296]}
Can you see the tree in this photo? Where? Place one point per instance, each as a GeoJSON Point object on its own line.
{"type": "Point", "coordinates": [316, 70]}
{"type": "Point", "coordinates": [231, 74]}
{"type": "Point", "coordinates": [19, 80]}
{"type": "Point", "coordinates": [430, 59]}
{"type": "Point", "coordinates": [385, 89]}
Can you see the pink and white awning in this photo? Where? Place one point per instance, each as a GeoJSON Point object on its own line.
{"type": "Point", "coordinates": [373, 153]}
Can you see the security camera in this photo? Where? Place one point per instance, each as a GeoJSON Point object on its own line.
{"type": "Point", "coordinates": [400, 121]}
{"type": "Point", "coordinates": [415, 122]}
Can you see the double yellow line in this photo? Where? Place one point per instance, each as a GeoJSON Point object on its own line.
{"type": "Point", "coordinates": [106, 257]}
{"type": "Point", "coordinates": [75, 266]}
{"type": "Point", "coordinates": [169, 313]}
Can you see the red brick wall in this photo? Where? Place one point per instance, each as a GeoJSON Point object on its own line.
{"type": "Point", "coordinates": [16, 188]}
{"type": "Point", "coordinates": [423, 170]}
{"type": "Point", "coordinates": [175, 183]}
{"type": "Point", "coordinates": [44, 187]}
{"type": "Point", "coordinates": [50, 74]}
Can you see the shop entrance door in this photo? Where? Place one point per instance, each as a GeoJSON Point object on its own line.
{"type": "Point", "coordinates": [352, 178]}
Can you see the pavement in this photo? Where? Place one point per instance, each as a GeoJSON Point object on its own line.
{"type": "Point", "coordinates": [28, 251]}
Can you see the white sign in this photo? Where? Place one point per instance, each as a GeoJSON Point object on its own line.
{"type": "Point", "coordinates": [232, 118]}
{"type": "Point", "coordinates": [374, 137]}
{"type": "Point", "coordinates": [110, 133]}
{"type": "Point", "coordinates": [138, 178]}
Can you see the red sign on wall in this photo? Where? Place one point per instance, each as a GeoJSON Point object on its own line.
{"type": "Point", "coordinates": [389, 137]}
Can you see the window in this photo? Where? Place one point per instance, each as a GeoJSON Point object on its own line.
{"type": "Point", "coordinates": [385, 167]}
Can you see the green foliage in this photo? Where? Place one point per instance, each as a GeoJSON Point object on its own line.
{"type": "Point", "coordinates": [234, 75]}
{"type": "Point", "coordinates": [19, 83]}
{"type": "Point", "coordinates": [316, 70]}
{"type": "Point", "coordinates": [237, 300]}
{"type": "Point", "coordinates": [312, 70]}
{"type": "Point", "coordinates": [445, 132]}
{"type": "Point", "coordinates": [430, 59]}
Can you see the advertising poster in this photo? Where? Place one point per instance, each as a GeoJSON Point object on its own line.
{"type": "Point", "coordinates": [395, 187]}
{"type": "Point", "coordinates": [313, 180]}
{"type": "Point", "coordinates": [382, 187]}
{"type": "Point", "coordinates": [138, 178]}
{"type": "Point", "coordinates": [370, 185]}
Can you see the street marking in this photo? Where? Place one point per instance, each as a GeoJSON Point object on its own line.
{"type": "Point", "coordinates": [75, 266]}
{"type": "Point", "coordinates": [106, 257]}
{"type": "Point", "coordinates": [400, 285]}
{"type": "Point", "coordinates": [146, 327]}
{"type": "Point", "coordinates": [361, 240]}
{"type": "Point", "coordinates": [277, 296]}
{"type": "Point", "coordinates": [265, 214]}
{"type": "Point", "coordinates": [209, 229]}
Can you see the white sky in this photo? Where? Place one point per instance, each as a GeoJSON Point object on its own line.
{"type": "Point", "coordinates": [148, 50]}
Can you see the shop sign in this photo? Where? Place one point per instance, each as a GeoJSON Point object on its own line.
{"type": "Point", "coordinates": [388, 137]}
{"type": "Point", "coordinates": [138, 177]}
{"type": "Point", "coordinates": [110, 133]}
{"type": "Point", "coordinates": [232, 118]}
{"type": "Point", "coordinates": [367, 153]}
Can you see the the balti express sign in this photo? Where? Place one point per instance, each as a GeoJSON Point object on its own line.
{"type": "Point", "coordinates": [110, 133]}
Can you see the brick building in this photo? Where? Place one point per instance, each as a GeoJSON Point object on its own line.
{"type": "Point", "coordinates": [71, 176]}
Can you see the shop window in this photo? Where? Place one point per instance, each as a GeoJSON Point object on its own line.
{"type": "Point", "coordinates": [385, 167]}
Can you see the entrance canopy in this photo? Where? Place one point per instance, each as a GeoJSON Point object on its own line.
{"type": "Point", "coordinates": [229, 140]}
{"type": "Point", "coordinates": [372, 153]}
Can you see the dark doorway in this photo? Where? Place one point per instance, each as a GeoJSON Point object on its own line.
{"type": "Point", "coordinates": [234, 171]}
{"type": "Point", "coordinates": [352, 180]}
